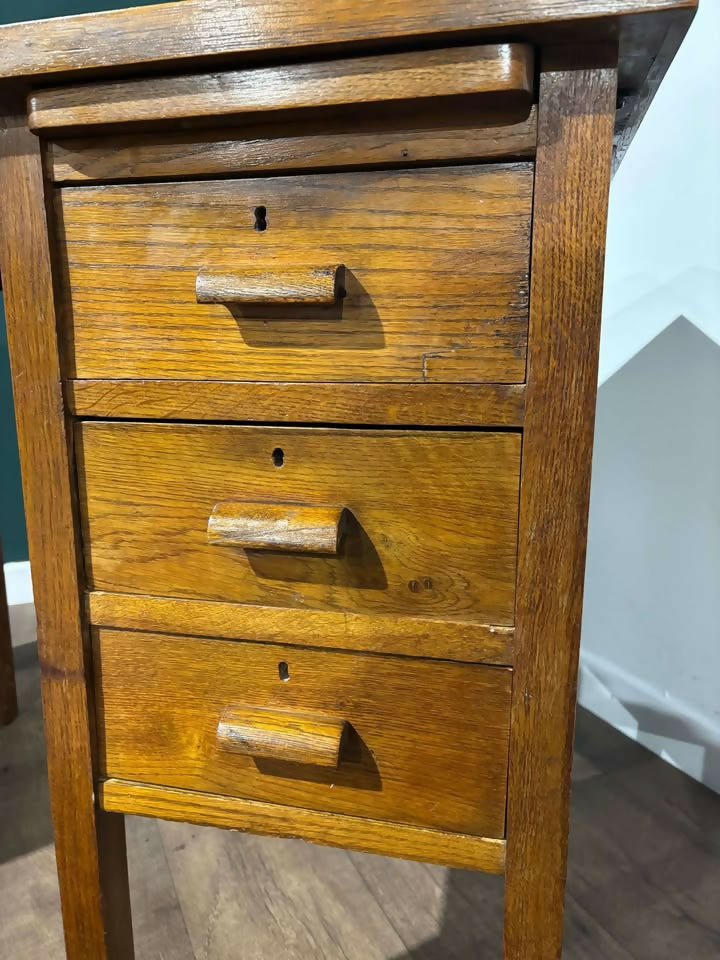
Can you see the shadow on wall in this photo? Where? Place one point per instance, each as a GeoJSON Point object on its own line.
{"type": "Point", "coordinates": [651, 625]}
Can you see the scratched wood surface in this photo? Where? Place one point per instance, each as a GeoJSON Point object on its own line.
{"type": "Point", "coordinates": [419, 136]}
{"type": "Point", "coordinates": [210, 32]}
{"type": "Point", "coordinates": [160, 699]}
{"type": "Point", "coordinates": [432, 530]}
{"type": "Point", "coordinates": [497, 69]}
{"type": "Point", "coordinates": [432, 404]}
{"type": "Point", "coordinates": [436, 277]}
{"type": "Point", "coordinates": [404, 636]}
{"type": "Point", "coordinates": [406, 841]}
{"type": "Point", "coordinates": [285, 527]}
{"type": "Point", "coordinates": [287, 735]}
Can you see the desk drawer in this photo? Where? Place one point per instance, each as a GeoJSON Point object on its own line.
{"type": "Point", "coordinates": [405, 522]}
{"type": "Point", "coordinates": [411, 741]}
{"type": "Point", "coordinates": [434, 286]}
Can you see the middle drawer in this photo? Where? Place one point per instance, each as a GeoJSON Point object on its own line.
{"type": "Point", "coordinates": [417, 523]}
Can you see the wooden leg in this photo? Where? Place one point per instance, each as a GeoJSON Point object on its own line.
{"type": "Point", "coordinates": [8, 693]}
{"type": "Point", "coordinates": [93, 880]}
{"type": "Point", "coordinates": [90, 844]}
{"type": "Point", "coordinates": [572, 176]}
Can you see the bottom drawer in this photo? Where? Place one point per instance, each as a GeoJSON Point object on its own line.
{"type": "Point", "coordinates": [410, 741]}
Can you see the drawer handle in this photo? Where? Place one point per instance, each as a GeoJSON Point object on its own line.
{"type": "Point", "coordinates": [309, 285]}
{"type": "Point", "coordinates": [269, 734]}
{"type": "Point", "coordinates": [291, 527]}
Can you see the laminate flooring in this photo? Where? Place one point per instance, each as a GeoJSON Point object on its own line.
{"type": "Point", "coordinates": [644, 871]}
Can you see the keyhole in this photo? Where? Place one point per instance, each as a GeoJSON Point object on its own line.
{"type": "Point", "coordinates": [260, 218]}
{"type": "Point", "coordinates": [278, 457]}
{"type": "Point", "coordinates": [284, 671]}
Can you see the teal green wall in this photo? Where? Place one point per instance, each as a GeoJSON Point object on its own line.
{"type": "Point", "coordinates": [12, 521]}
{"type": "Point", "coordinates": [13, 10]}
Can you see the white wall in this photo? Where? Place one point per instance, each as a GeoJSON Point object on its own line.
{"type": "Point", "coordinates": [651, 625]}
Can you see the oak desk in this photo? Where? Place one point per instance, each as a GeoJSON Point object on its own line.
{"type": "Point", "coordinates": [303, 313]}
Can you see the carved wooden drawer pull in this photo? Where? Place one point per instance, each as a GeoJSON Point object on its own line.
{"type": "Point", "coordinates": [320, 285]}
{"type": "Point", "coordinates": [292, 527]}
{"type": "Point", "coordinates": [281, 735]}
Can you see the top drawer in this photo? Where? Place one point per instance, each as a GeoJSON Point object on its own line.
{"type": "Point", "coordinates": [435, 285]}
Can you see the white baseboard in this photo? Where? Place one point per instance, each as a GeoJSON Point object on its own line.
{"type": "Point", "coordinates": [670, 728]}
{"type": "Point", "coordinates": [18, 583]}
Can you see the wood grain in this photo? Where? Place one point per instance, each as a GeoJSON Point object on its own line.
{"type": "Point", "coordinates": [436, 277]}
{"type": "Point", "coordinates": [391, 839]}
{"type": "Point", "coordinates": [404, 636]}
{"type": "Point", "coordinates": [432, 531]}
{"type": "Point", "coordinates": [283, 735]}
{"type": "Point", "coordinates": [575, 131]}
{"type": "Point", "coordinates": [8, 692]}
{"type": "Point", "coordinates": [428, 744]}
{"type": "Point", "coordinates": [434, 405]}
{"type": "Point", "coordinates": [496, 69]}
{"type": "Point", "coordinates": [422, 136]}
{"type": "Point", "coordinates": [314, 285]}
{"type": "Point", "coordinates": [89, 844]}
{"type": "Point", "coordinates": [644, 842]}
{"type": "Point", "coordinates": [287, 527]}
{"type": "Point", "coordinates": [196, 31]}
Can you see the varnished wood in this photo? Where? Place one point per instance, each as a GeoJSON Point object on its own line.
{"type": "Point", "coordinates": [423, 136]}
{"type": "Point", "coordinates": [8, 692]}
{"type": "Point", "coordinates": [311, 285]}
{"type": "Point", "coordinates": [436, 277]}
{"type": "Point", "coordinates": [287, 527]}
{"type": "Point", "coordinates": [435, 405]}
{"type": "Point", "coordinates": [573, 162]}
{"type": "Point", "coordinates": [436, 754]}
{"type": "Point", "coordinates": [159, 700]}
{"type": "Point", "coordinates": [209, 32]}
{"type": "Point", "coordinates": [432, 530]}
{"type": "Point", "coordinates": [373, 836]}
{"type": "Point", "coordinates": [405, 636]}
{"type": "Point", "coordinates": [643, 845]}
{"type": "Point", "coordinates": [283, 735]}
{"type": "Point", "coordinates": [496, 69]}
{"type": "Point", "coordinates": [89, 844]}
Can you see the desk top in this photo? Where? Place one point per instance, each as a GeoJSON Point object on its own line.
{"type": "Point", "coordinates": [220, 33]}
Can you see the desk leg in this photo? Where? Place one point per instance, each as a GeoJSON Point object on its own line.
{"type": "Point", "coordinates": [89, 844]}
{"type": "Point", "coordinates": [576, 112]}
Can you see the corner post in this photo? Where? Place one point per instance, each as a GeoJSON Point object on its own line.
{"type": "Point", "coordinates": [576, 114]}
{"type": "Point", "coordinates": [89, 843]}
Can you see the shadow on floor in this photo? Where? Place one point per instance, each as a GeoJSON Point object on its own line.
{"type": "Point", "coordinates": [472, 920]}
{"type": "Point", "coordinates": [25, 823]}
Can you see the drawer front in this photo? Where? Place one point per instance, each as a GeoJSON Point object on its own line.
{"type": "Point", "coordinates": [420, 523]}
{"type": "Point", "coordinates": [423, 742]}
{"type": "Point", "coordinates": [435, 282]}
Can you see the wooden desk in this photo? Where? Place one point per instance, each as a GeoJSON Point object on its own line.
{"type": "Point", "coordinates": [304, 316]}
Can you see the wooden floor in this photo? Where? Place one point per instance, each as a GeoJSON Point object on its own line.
{"type": "Point", "coordinates": [644, 872]}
